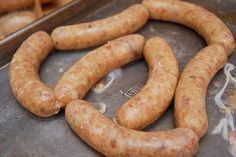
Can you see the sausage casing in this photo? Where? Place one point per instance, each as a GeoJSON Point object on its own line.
{"type": "Point", "coordinates": [78, 79]}
{"type": "Point", "coordinates": [114, 140]}
{"type": "Point", "coordinates": [154, 98]}
{"type": "Point", "coordinates": [209, 26]}
{"type": "Point", "coordinates": [32, 94]}
{"type": "Point", "coordinates": [98, 32]}
{"type": "Point", "coordinates": [11, 5]}
{"type": "Point", "coordinates": [190, 108]}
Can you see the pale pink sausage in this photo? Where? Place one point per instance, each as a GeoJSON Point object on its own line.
{"type": "Point", "coordinates": [98, 32]}
{"type": "Point", "coordinates": [11, 5]}
{"type": "Point", "coordinates": [113, 140]}
{"type": "Point", "coordinates": [154, 98]}
{"type": "Point", "coordinates": [190, 108]}
{"type": "Point", "coordinates": [79, 78]}
{"type": "Point", "coordinates": [25, 83]}
{"type": "Point", "coordinates": [209, 26]}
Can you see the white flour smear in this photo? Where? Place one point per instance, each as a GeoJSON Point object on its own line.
{"type": "Point", "coordinates": [107, 81]}
{"type": "Point", "coordinates": [226, 125]}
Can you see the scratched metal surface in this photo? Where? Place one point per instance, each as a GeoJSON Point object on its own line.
{"type": "Point", "coordinates": [24, 135]}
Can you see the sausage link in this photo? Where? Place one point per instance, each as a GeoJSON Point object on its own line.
{"type": "Point", "coordinates": [25, 83]}
{"type": "Point", "coordinates": [114, 140]}
{"type": "Point", "coordinates": [11, 5]}
{"type": "Point", "coordinates": [209, 26]}
{"type": "Point", "coordinates": [190, 108]}
{"type": "Point", "coordinates": [77, 80]}
{"type": "Point", "coordinates": [151, 102]}
{"type": "Point", "coordinates": [98, 32]}
{"type": "Point", "coordinates": [14, 21]}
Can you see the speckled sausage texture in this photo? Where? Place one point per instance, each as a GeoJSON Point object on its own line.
{"type": "Point", "coordinates": [114, 140]}
{"type": "Point", "coordinates": [98, 32]}
{"type": "Point", "coordinates": [78, 79]}
{"type": "Point", "coordinates": [209, 26]}
{"type": "Point", "coordinates": [190, 109]}
{"type": "Point", "coordinates": [11, 5]}
{"type": "Point", "coordinates": [25, 83]}
{"type": "Point", "coordinates": [154, 98]}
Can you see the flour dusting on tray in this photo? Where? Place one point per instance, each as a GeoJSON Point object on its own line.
{"type": "Point", "coordinates": [225, 100]}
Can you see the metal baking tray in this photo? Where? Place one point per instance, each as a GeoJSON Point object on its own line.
{"type": "Point", "coordinates": [24, 135]}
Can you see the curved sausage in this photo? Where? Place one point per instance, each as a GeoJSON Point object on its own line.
{"type": "Point", "coordinates": [10, 5]}
{"type": "Point", "coordinates": [154, 98]}
{"type": "Point", "coordinates": [77, 80]}
{"type": "Point", "coordinates": [11, 22]}
{"type": "Point", "coordinates": [190, 108]}
{"type": "Point", "coordinates": [209, 26]}
{"type": "Point", "coordinates": [114, 140]}
{"type": "Point", "coordinates": [98, 32]}
{"type": "Point", "coordinates": [25, 83]}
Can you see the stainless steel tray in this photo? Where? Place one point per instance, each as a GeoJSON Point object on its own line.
{"type": "Point", "coordinates": [24, 135]}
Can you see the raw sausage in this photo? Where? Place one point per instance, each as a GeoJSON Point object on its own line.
{"type": "Point", "coordinates": [98, 32]}
{"type": "Point", "coordinates": [77, 80]}
{"type": "Point", "coordinates": [11, 5]}
{"type": "Point", "coordinates": [11, 22]}
{"type": "Point", "coordinates": [209, 26]}
{"type": "Point", "coordinates": [114, 140]}
{"type": "Point", "coordinates": [154, 98]}
{"type": "Point", "coordinates": [190, 108]}
{"type": "Point", "coordinates": [32, 94]}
